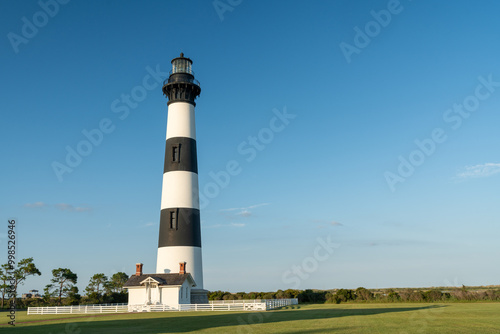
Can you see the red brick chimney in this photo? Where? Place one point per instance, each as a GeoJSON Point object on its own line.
{"type": "Point", "coordinates": [182, 269]}
{"type": "Point", "coordinates": [138, 269]}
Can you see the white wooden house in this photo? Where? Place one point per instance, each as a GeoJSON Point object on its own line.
{"type": "Point", "coordinates": [159, 289]}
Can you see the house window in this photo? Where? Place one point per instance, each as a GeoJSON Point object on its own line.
{"type": "Point", "coordinates": [173, 220]}
{"type": "Point", "coordinates": [176, 153]}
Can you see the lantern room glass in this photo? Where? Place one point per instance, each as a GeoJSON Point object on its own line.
{"type": "Point", "coordinates": [181, 65]}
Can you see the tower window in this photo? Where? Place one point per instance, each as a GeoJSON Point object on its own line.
{"type": "Point", "coordinates": [176, 153]}
{"type": "Point", "coordinates": [173, 220]}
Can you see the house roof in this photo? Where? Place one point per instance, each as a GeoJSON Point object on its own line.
{"type": "Point", "coordinates": [162, 279]}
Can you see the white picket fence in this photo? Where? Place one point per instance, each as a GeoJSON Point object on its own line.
{"type": "Point", "coordinates": [236, 301]}
{"type": "Point", "coordinates": [272, 304]}
{"type": "Point", "coordinates": [199, 307]}
{"type": "Point", "coordinates": [79, 309]}
{"type": "Point", "coordinates": [216, 305]}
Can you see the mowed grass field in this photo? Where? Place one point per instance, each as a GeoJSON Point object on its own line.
{"type": "Point", "coordinates": [304, 319]}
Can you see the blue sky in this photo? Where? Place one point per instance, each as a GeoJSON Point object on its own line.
{"type": "Point", "coordinates": [333, 190]}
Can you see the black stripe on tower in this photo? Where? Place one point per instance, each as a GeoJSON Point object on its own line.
{"type": "Point", "coordinates": [180, 227]}
{"type": "Point", "coordinates": [180, 154]}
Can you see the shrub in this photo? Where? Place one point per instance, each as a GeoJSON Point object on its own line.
{"type": "Point", "coordinates": [393, 296]}
{"type": "Point", "coordinates": [363, 294]}
{"type": "Point", "coordinates": [433, 295]}
{"type": "Point", "coordinates": [345, 295]}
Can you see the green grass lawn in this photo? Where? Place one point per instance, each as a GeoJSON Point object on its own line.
{"type": "Point", "coordinates": [304, 319]}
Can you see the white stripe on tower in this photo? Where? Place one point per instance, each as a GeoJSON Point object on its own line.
{"type": "Point", "coordinates": [180, 120]}
{"type": "Point", "coordinates": [180, 234]}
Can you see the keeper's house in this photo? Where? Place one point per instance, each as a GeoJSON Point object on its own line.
{"type": "Point", "coordinates": [159, 289]}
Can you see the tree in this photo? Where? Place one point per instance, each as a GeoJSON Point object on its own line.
{"type": "Point", "coordinates": [73, 296]}
{"type": "Point", "coordinates": [229, 296]}
{"type": "Point", "coordinates": [115, 284]}
{"type": "Point", "coordinates": [216, 295]}
{"type": "Point", "coordinates": [345, 295]}
{"type": "Point", "coordinates": [25, 268]}
{"type": "Point", "coordinates": [363, 294]}
{"type": "Point", "coordinates": [64, 280]}
{"type": "Point", "coordinates": [4, 278]}
{"type": "Point", "coordinates": [310, 296]}
{"type": "Point", "coordinates": [96, 283]}
{"type": "Point", "coordinates": [291, 293]}
{"type": "Point", "coordinates": [47, 292]}
{"type": "Point", "coordinates": [393, 296]}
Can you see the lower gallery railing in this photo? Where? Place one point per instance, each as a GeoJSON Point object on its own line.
{"type": "Point", "coordinates": [223, 305]}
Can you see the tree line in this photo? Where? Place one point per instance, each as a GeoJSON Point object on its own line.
{"type": "Point", "coordinates": [366, 295]}
{"type": "Point", "coordinates": [62, 289]}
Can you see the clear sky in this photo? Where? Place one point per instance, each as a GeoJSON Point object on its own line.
{"type": "Point", "coordinates": [366, 136]}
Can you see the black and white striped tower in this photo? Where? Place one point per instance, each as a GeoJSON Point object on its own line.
{"type": "Point", "coordinates": [180, 233]}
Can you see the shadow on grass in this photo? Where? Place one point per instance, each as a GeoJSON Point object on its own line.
{"type": "Point", "coordinates": [181, 323]}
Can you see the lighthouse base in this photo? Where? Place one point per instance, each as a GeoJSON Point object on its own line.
{"type": "Point", "coordinates": [199, 296]}
{"type": "Point", "coordinates": [170, 257]}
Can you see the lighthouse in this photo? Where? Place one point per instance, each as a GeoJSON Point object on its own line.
{"type": "Point", "coordinates": [179, 242]}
